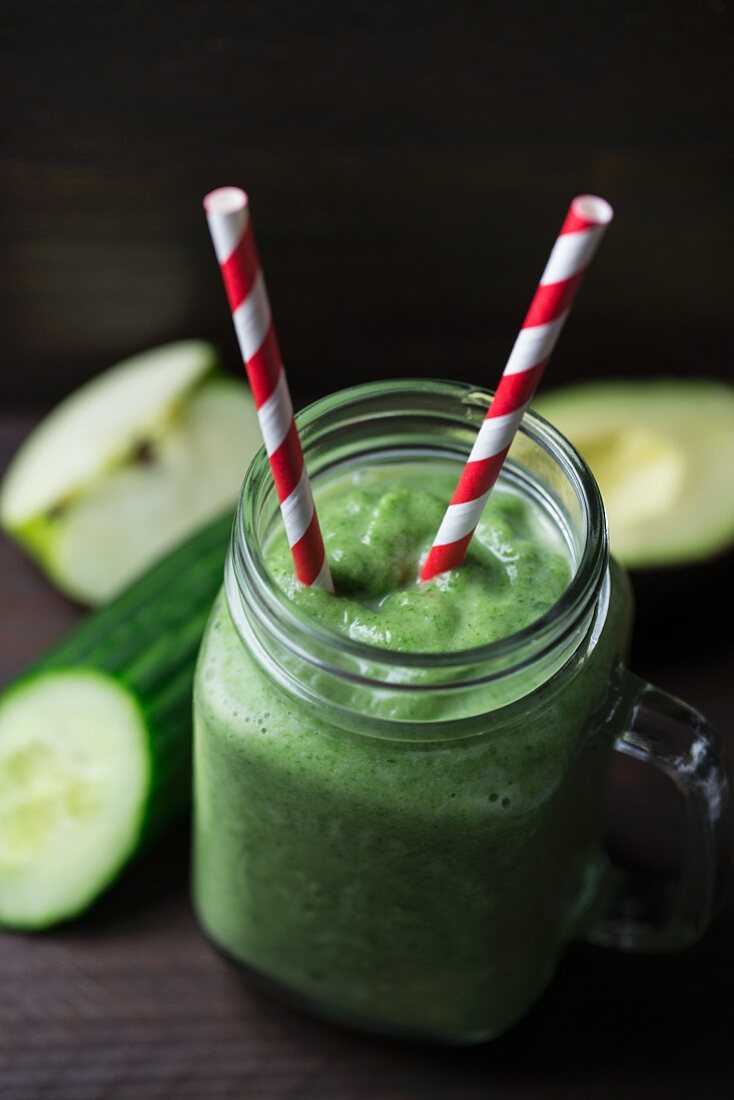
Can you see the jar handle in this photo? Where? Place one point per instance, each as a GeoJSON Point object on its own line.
{"type": "Point", "coordinates": [642, 914]}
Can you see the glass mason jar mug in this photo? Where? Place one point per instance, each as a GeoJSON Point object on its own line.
{"type": "Point", "coordinates": [405, 841]}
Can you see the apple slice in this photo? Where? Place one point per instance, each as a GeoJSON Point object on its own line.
{"type": "Point", "coordinates": [127, 466]}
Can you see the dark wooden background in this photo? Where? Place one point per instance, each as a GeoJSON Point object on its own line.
{"type": "Point", "coordinates": [408, 165]}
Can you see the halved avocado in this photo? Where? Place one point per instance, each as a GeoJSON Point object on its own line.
{"type": "Point", "coordinates": [663, 455]}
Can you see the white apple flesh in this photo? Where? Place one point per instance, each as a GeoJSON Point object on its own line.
{"type": "Point", "coordinates": [128, 466]}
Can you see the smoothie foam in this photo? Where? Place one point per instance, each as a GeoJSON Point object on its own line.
{"type": "Point", "coordinates": [379, 523]}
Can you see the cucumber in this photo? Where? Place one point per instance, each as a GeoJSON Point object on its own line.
{"type": "Point", "coordinates": [95, 739]}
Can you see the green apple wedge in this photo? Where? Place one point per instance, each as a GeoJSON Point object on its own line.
{"type": "Point", "coordinates": [128, 466]}
{"type": "Point", "coordinates": [663, 454]}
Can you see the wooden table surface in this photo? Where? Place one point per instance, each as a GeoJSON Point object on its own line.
{"type": "Point", "coordinates": [131, 1001]}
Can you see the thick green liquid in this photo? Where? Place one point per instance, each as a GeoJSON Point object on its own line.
{"type": "Point", "coordinates": [378, 525]}
{"type": "Point", "coordinates": [423, 888]}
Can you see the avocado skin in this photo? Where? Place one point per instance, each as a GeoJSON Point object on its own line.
{"type": "Point", "coordinates": [683, 610]}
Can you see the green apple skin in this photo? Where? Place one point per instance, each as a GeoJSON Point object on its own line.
{"type": "Point", "coordinates": [205, 442]}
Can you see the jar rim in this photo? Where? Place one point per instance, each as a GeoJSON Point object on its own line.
{"type": "Point", "coordinates": [555, 626]}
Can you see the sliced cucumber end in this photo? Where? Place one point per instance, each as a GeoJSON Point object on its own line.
{"type": "Point", "coordinates": [74, 777]}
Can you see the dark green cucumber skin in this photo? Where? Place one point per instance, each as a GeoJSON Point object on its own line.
{"type": "Point", "coordinates": [147, 639]}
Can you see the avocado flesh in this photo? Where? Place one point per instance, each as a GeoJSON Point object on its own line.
{"type": "Point", "coordinates": [663, 455]}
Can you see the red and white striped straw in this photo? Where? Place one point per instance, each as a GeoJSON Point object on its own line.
{"type": "Point", "coordinates": [230, 225]}
{"type": "Point", "coordinates": [587, 218]}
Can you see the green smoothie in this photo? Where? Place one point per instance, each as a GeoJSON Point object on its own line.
{"type": "Point", "coordinates": [378, 524]}
{"type": "Point", "coordinates": [418, 886]}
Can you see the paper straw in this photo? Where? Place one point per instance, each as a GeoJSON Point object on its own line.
{"type": "Point", "coordinates": [587, 218]}
{"type": "Point", "coordinates": [230, 225]}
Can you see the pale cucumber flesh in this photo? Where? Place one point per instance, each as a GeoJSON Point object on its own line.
{"type": "Point", "coordinates": [74, 779]}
